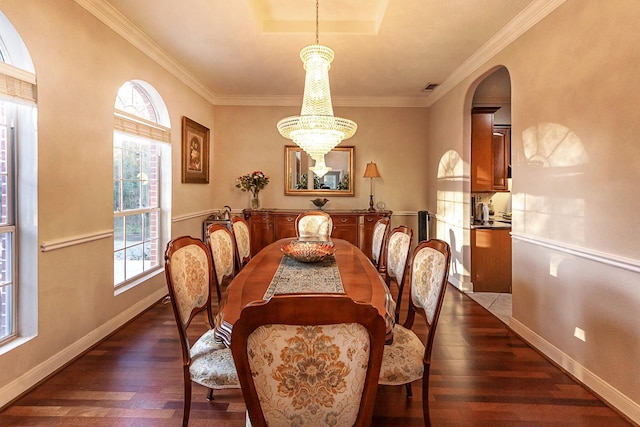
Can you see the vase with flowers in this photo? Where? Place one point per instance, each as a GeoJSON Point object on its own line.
{"type": "Point", "coordinates": [253, 182]}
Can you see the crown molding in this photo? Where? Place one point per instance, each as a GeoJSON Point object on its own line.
{"type": "Point", "coordinates": [113, 19]}
{"type": "Point", "coordinates": [337, 101]}
{"type": "Point", "coordinates": [526, 19]}
{"type": "Point", "coordinates": [522, 22]}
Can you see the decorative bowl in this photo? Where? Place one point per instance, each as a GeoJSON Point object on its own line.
{"type": "Point", "coordinates": [308, 251]}
{"type": "Point", "coordinates": [319, 203]}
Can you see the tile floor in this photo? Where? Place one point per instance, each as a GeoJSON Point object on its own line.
{"type": "Point", "coordinates": [498, 304]}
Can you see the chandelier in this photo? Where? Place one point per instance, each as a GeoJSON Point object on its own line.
{"type": "Point", "coordinates": [316, 130]}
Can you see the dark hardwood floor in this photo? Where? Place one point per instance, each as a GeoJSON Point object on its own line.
{"type": "Point", "coordinates": [482, 375]}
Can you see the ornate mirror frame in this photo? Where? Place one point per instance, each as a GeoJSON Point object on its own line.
{"type": "Point", "coordinates": [337, 182]}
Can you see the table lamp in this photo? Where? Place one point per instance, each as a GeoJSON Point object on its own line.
{"type": "Point", "coordinates": [371, 172]}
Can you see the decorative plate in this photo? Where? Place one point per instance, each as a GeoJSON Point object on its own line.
{"type": "Point", "coordinates": [309, 251]}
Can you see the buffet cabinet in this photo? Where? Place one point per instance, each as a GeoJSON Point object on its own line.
{"type": "Point", "coordinates": [268, 225]}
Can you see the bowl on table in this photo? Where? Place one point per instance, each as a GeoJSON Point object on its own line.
{"type": "Point", "coordinates": [309, 250]}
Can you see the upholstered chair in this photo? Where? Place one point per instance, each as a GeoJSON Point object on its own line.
{"type": "Point", "coordinates": [309, 360]}
{"type": "Point", "coordinates": [397, 252]}
{"type": "Point", "coordinates": [189, 273]}
{"type": "Point", "coordinates": [243, 241]}
{"type": "Point", "coordinates": [314, 224]}
{"type": "Point", "coordinates": [407, 359]}
{"type": "Point", "coordinates": [223, 252]}
{"type": "Point", "coordinates": [378, 241]}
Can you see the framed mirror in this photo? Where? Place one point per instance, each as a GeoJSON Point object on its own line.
{"type": "Point", "coordinates": [300, 180]}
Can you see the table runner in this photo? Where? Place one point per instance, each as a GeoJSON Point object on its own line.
{"type": "Point", "coordinates": [298, 277]}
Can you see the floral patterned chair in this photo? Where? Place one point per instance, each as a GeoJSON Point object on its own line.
{"type": "Point", "coordinates": [314, 224]}
{"type": "Point", "coordinates": [407, 359]}
{"type": "Point", "coordinates": [311, 359]}
{"type": "Point", "coordinates": [397, 253]}
{"type": "Point", "coordinates": [377, 242]}
{"type": "Point", "coordinates": [223, 253]}
{"type": "Point", "coordinates": [189, 273]}
{"type": "Point", "coordinates": [243, 241]}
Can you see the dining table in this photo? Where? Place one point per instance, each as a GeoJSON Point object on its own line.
{"type": "Point", "coordinates": [348, 271]}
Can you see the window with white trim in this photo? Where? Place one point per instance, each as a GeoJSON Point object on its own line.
{"type": "Point", "coordinates": [7, 224]}
{"type": "Point", "coordinates": [139, 141]}
{"type": "Point", "coordinates": [18, 236]}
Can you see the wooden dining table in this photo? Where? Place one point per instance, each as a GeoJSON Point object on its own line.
{"type": "Point", "coordinates": [270, 272]}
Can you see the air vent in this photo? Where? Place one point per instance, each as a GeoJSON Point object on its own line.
{"type": "Point", "coordinates": [430, 86]}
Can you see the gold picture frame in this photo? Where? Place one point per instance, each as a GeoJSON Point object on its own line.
{"type": "Point", "coordinates": [195, 152]}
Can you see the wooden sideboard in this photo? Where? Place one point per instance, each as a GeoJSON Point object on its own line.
{"type": "Point", "coordinates": [268, 225]}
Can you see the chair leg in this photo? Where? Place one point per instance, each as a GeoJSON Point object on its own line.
{"type": "Point", "coordinates": [187, 402]}
{"type": "Point", "coordinates": [409, 391]}
{"type": "Point", "coordinates": [210, 395]}
{"type": "Point", "coordinates": [425, 396]}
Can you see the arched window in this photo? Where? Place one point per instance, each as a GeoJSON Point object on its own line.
{"type": "Point", "coordinates": [18, 186]}
{"type": "Point", "coordinates": [140, 143]}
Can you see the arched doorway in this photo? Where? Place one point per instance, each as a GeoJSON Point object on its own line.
{"type": "Point", "coordinates": [490, 193]}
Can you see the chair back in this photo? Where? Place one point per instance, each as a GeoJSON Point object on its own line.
{"type": "Point", "coordinates": [397, 253]}
{"type": "Point", "coordinates": [312, 224]}
{"type": "Point", "coordinates": [310, 359]}
{"type": "Point", "coordinates": [223, 252]}
{"type": "Point", "coordinates": [429, 274]}
{"type": "Point", "coordinates": [378, 240]}
{"type": "Point", "coordinates": [243, 240]}
{"type": "Point", "coordinates": [188, 270]}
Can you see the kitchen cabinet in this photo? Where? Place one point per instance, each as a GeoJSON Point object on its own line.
{"type": "Point", "coordinates": [490, 152]}
{"type": "Point", "coordinates": [268, 225]}
{"type": "Point", "coordinates": [501, 157]}
{"type": "Point", "coordinates": [491, 259]}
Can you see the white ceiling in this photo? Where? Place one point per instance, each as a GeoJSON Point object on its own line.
{"type": "Point", "coordinates": [386, 51]}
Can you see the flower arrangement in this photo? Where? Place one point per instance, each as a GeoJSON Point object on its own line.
{"type": "Point", "coordinates": [254, 182]}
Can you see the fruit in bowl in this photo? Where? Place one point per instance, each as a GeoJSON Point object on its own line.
{"type": "Point", "coordinates": [308, 251]}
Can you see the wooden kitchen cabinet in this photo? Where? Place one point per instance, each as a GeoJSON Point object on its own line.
{"type": "Point", "coordinates": [490, 152]}
{"type": "Point", "coordinates": [491, 260]}
{"type": "Point", "coordinates": [501, 157]}
{"type": "Point", "coordinates": [269, 225]}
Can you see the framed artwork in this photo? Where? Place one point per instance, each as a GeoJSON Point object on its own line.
{"type": "Point", "coordinates": [195, 152]}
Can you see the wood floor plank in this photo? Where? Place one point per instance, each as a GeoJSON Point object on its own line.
{"type": "Point", "coordinates": [482, 375]}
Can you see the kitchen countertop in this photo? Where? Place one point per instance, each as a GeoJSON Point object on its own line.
{"type": "Point", "coordinates": [493, 224]}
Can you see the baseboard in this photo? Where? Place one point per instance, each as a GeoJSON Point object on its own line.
{"type": "Point", "coordinates": [604, 390]}
{"type": "Point", "coordinates": [31, 378]}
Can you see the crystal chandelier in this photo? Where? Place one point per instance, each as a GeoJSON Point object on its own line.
{"type": "Point", "coordinates": [316, 130]}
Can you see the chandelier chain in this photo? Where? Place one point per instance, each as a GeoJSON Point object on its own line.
{"type": "Point", "coordinates": [317, 23]}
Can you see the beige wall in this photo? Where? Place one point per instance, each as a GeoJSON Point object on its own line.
{"type": "Point", "coordinates": [246, 139]}
{"type": "Point", "coordinates": [576, 164]}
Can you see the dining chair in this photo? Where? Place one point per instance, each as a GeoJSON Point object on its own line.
{"type": "Point", "coordinates": [407, 359]}
{"type": "Point", "coordinates": [378, 241]}
{"type": "Point", "coordinates": [312, 224]}
{"type": "Point", "coordinates": [242, 239]}
{"type": "Point", "coordinates": [397, 252]}
{"type": "Point", "coordinates": [308, 359]}
{"type": "Point", "coordinates": [223, 254]}
{"type": "Point", "coordinates": [189, 272]}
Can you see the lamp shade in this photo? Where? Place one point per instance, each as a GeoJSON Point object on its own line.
{"type": "Point", "coordinates": [371, 171]}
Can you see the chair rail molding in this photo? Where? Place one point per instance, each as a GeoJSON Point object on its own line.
{"type": "Point", "coordinates": [75, 240]}
{"type": "Point", "coordinates": [624, 263]}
